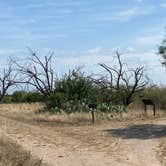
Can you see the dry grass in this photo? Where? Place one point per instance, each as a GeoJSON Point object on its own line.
{"type": "Point", "coordinates": [22, 107]}
{"type": "Point", "coordinates": [12, 154]}
{"type": "Point", "coordinates": [30, 113]}
{"type": "Point", "coordinates": [100, 117]}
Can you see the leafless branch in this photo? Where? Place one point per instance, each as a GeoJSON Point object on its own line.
{"type": "Point", "coordinates": [7, 79]}
{"type": "Point", "coordinates": [38, 73]}
{"type": "Point", "coordinates": [123, 79]}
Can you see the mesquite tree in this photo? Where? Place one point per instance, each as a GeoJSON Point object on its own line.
{"type": "Point", "coordinates": [7, 79]}
{"type": "Point", "coordinates": [122, 82]}
{"type": "Point", "coordinates": [38, 73]}
{"type": "Point", "coordinates": [162, 51]}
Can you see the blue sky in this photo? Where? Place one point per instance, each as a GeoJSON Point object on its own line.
{"type": "Point", "coordinates": [85, 32]}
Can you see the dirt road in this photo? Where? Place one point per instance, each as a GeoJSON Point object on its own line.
{"type": "Point", "coordinates": [114, 144]}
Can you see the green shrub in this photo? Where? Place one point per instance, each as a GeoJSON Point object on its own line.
{"type": "Point", "coordinates": [23, 96]}
{"type": "Point", "coordinates": [55, 100]}
{"type": "Point", "coordinates": [33, 97]}
{"type": "Point", "coordinates": [7, 99]}
{"type": "Point", "coordinates": [18, 96]}
{"type": "Point", "coordinates": [72, 93]}
{"type": "Point", "coordinates": [158, 95]}
{"type": "Point", "coordinates": [75, 86]}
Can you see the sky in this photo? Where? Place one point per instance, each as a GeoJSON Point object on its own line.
{"type": "Point", "coordinates": [85, 32]}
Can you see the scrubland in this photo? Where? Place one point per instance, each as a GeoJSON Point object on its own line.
{"type": "Point", "coordinates": [29, 137]}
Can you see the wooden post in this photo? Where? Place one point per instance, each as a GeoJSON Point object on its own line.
{"type": "Point", "coordinates": [154, 110]}
{"type": "Point", "coordinates": [93, 116]}
{"type": "Point", "coordinates": [92, 107]}
{"type": "Point", "coordinates": [145, 109]}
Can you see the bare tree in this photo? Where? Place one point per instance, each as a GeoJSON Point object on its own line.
{"type": "Point", "coordinates": [122, 80]}
{"type": "Point", "coordinates": [7, 79]}
{"type": "Point", "coordinates": [38, 73]}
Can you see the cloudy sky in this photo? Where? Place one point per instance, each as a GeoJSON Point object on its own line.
{"type": "Point", "coordinates": [85, 32]}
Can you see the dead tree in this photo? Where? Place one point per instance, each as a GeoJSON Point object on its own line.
{"type": "Point", "coordinates": [38, 73]}
{"type": "Point", "coordinates": [122, 80]}
{"type": "Point", "coordinates": [7, 79]}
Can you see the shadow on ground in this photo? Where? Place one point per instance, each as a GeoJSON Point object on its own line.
{"type": "Point", "coordinates": [143, 131]}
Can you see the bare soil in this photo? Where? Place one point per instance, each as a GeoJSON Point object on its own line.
{"type": "Point", "coordinates": [122, 143]}
{"type": "Point", "coordinates": [13, 154]}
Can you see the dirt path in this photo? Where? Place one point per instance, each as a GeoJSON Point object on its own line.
{"type": "Point", "coordinates": [143, 152]}
{"type": "Point", "coordinates": [88, 145]}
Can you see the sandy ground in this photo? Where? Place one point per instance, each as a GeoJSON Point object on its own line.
{"type": "Point", "coordinates": [110, 144]}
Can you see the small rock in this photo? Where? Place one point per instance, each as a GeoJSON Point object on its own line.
{"type": "Point", "coordinates": [60, 156]}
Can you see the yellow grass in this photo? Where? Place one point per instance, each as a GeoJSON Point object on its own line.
{"type": "Point", "coordinates": [30, 113]}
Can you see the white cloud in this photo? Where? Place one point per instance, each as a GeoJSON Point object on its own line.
{"type": "Point", "coordinates": [92, 57]}
{"type": "Point", "coordinates": [95, 50]}
{"type": "Point", "coordinates": [34, 5]}
{"type": "Point", "coordinates": [139, 0]}
{"type": "Point", "coordinates": [131, 56]}
{"type": "Point", "coordinates": [163, 5]}
{"type": "Point", "coordinates": [149, 40]}
{"type": "Point", "coordinates": [96, 55]}
{"type": "Point", "coordinates": [10, 51]}
{"type": "Point", "coordinates": [128, 14]}
{"type": "Point", "coordinates": [130, 49]}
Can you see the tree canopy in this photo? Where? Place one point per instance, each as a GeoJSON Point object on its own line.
{"type": "Point", "coordinates": [162, 50]}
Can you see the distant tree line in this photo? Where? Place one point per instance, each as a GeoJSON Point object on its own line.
{"type": "Point", "coordinates": [23, 97]}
